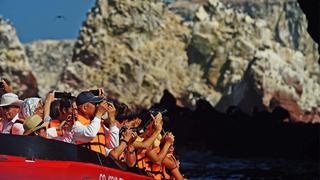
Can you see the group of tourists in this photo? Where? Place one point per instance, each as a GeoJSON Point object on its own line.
{"type": "Point", "coordinates": [97, 123]}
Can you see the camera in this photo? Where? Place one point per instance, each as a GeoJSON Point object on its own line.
{"type": "Point", "coordinates": [95, 92]}
{"type": "Point", "coordinates": [155, 111]}
{"type": "Point", "coordinates": [63, 95]}
{"type": "Point", "coordinates": [146, 116]}
{"type": "Point", "coordinates": [138, 130]}
{"type": "Point", "coordinates": [146, 120]}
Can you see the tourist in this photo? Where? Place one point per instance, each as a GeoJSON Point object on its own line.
{"type": "Point", "coordinates": [10, 104]}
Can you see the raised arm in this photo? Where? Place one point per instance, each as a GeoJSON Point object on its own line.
{"type": "Point", "coordinates": [159, 157]}
{"type": "Point", "coordinates": [47, 105]}
{"type": "Point", "coordinates": [124, 142]}
{"type": "Point", "coordinates": [149, 141]}
{"type": "Point", "coordinates": [92, 129]}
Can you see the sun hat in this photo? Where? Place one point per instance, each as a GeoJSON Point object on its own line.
{"type": "Point", "coordinates": [33, 123]}
{"type": "Point", "coordinates": [10, 99]}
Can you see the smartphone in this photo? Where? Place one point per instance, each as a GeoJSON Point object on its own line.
{"type": "Point", "coordinates": [95, 92]}
{"type": "Point", "coordinates": [1, 85]}
{"type": "Point", "coordinates": [62, 95]}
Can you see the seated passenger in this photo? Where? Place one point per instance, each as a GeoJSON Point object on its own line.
{"type": "Point", "coordinates": [155, 159]}
{"type": "Point", "coordinates": [35, 126]}
{"type": "Point", "coordinates": [121, 151]}
{"type": "Point", "coordinates": [171, 164]}
{"type": "Point", "coordinates": [88, 129]}
{"type": "Point", "coordinates": [29, 107]}
{"type": "Point", "coordinates": [10, 104]}
{"type": "Point", "coordinates": [117, 115]}
{"type": "Point", "coordinates": [64, 113]}
{"type": "Point", "coordinates": [124, 153]}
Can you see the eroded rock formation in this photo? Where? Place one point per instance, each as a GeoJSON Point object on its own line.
{"type": "Point", "coordinates": [242, 58]}
{"type": "Point", "coordinates": [14, 64]}
{"type": "Point", "coordinates": [49, 59]}
{"type": "Point", "coordinates": [252, 54]}
{"type": "Point", "coordinates": [135, 49]}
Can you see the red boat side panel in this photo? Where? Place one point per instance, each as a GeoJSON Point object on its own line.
{"type": "Point", "coordinates": [12, 168]}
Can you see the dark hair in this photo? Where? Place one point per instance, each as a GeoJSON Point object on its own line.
{"type": "Point", "coordinates": [145, 117]}
{"type": "Point", "coordinates": [37, 131]}
{"type": "Point", "coordinates": [54, 109]}
{"type": "Point", "coordinates": [123, 112]}
{"type": "Point", "coordinates": [66, 103]}
{"type": "Point", "coordinates": [59, 104]}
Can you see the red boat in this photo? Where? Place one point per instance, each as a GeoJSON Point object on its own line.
{"type": "Point", "coordinates": [32, 157]}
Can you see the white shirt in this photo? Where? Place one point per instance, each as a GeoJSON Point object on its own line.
{"type": "Point", "coordinates": [7, 124]}
{"type": "Point", "coordinates": [52, 133]}
{"type": "Point", "coordinates": [113, 136]}
{"type": "Point", "coordinates": [17, 129]}
{"type": "Point", "coordinates": [86, 133]}
{"type": "Point", "coordinates": [66, 137]}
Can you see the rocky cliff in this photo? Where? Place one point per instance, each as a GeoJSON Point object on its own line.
{"type": "Point", "coordinates": [48, 60]}
{"type": "Point", "coordinates": [135, 49]}
{"type": "Point", "coordinates": [252, 54]}
{"type": "Point", "coordinates": [243, 59]}
{"type": "Point", "coordinates": [14, 64]}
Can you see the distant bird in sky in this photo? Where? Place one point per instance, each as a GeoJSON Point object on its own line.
{"type": "Point", "coordinates": [60, 17]}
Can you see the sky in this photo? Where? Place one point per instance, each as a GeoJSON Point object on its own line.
{"type": "Point", "coordinates": [45, 19]}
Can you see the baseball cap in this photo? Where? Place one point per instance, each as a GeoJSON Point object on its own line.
{"type": "Point", "coordinates": [86, 96]}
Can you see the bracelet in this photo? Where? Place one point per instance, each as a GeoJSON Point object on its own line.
{"type": "Point", "coordinates": [122, 140]}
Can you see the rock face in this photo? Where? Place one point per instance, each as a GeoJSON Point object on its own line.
{"type": "Point", "coordinates": [135, 49]}
{"type": "Point", "coordinates": [252, 54]}
{"type": "Point", "coordinates": [244, 61]}
{"type": "Point", "coordinates": [288, 23]}
{"type": "Point", "coordinates": [14, 64]}
{"type": "Point", "coordinates": [48, 60]}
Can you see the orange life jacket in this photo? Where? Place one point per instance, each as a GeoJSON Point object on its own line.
{"type": "Point", "coordinates": [154, 170]}
{"type": "Point", "coordinates": [98, 143]}
{"type": "Point", "coordinates": [56, 123]}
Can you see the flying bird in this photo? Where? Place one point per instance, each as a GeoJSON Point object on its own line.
{"type": "Point", "coordinates": [60, 17]}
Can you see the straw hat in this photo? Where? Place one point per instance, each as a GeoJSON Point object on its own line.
{"type": "Point", "coordinates": [33, 123]}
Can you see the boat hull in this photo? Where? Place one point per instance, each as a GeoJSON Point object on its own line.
{"type": "Point", "coordinates": [14, 167]}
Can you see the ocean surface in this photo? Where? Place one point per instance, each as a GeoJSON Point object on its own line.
{"type": "Point", "coordinates": [204, 165]}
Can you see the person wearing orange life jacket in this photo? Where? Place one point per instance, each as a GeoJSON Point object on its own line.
{"type": "Point", "coordinates": [152, 132]}
{"type": "Point", "coordinates": [172, 164]}
{"type": "Point", "coordinates": [118, 116]}
{"type": "Point", "coordinates": [88, 129]}
{"type": "Point", "coordinates": [146, 140]}
{"type": "Point", "coordinates": [156, 157]}
{"type": "Point", "coordinates": [57, 113]}
{"type": "Point", "coordinates": [67, 114]}
{"type": "Point", "coordinates": [149, 159]}
{"type": "Point", "coordinates": [52, 115]}
{"type": "Point", "coordinates": [122, 151]}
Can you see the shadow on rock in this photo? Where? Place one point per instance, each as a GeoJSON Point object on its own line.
{"type": "Point", "coordinates": [234, 133]}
